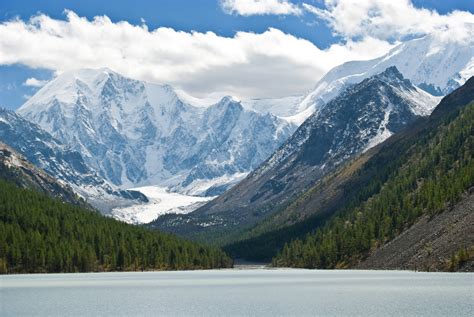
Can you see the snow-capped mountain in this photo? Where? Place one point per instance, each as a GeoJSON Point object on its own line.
{"type": "Point", "coordinates": [61, 162]}
{"type": "Point", "coordinates": [136, 133]}
{"type": "Point", "coordinates": [431, 63]}
{"type": "Point", "coordinates": [384, 103]}
{"type": "Point", "coordinates": [362, 116]}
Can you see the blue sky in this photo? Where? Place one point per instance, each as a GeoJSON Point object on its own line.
{"type": "Point", "coordinates": [186, 15]}
{"type": "Point", "coordinates": [201, 16]}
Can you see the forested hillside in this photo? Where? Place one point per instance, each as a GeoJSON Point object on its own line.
{"type": "Point", "coordinates": [350, 186]}
{"type": "Point", "coordinates": [42, 234]}
{"type": "Point", "coordinates": [428, 172]}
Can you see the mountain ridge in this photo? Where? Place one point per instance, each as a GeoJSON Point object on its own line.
{"type": "Point", "coordinates": [346, 187]}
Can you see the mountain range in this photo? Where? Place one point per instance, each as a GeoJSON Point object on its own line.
{"type": "Point", "coordinates": [137, 134]}
{"type": "Point", "coordinates": [364, 115]}
{"type": "Point", "coordinates": [434, 64]}
{"type": "Point", "coordinates": [408, 204]}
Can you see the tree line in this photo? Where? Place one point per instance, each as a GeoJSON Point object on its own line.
{"type": "Point", "coordinates": [42, 234]}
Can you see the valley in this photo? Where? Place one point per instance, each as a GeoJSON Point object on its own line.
{"type": "Point", "coordinates": [366, 170]}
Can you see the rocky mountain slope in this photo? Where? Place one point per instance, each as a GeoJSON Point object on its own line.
{"type": "Point", "coordinates": [64, 164]}
{"type": "Point", "coordinates": [136, 134]}
{"type": "Point", "coordinates": [444, 242]}
{"type": "Point", "coordinates": [358, 119]}
{"type": "Point", "coordinates": [16, 169]}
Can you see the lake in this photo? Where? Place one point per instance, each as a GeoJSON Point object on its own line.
{"type": "Point", "coordinates": [256, 292]}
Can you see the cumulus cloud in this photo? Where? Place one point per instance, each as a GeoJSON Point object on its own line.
{"type": "Point", "coordinates": [388, 20]}
{"type": "Point", "coordinates": [260, 7]}
{"type": "Point", "coordinates": [34, 82]}
{"type": "Point", "coordinates": [246, 65]}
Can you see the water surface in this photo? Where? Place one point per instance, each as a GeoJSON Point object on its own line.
{"type": "Point", "coordinates": [239, 293]}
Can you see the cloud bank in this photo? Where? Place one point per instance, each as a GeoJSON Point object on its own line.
{"type": "Point", "coordinates": [247, 65]}
{"type": "Point", "coordinates": [388, 19]}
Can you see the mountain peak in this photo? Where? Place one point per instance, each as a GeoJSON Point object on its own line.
{"type": "Point", "coordinates": [392, 76]}
{"type": "Point", "coordinates": [89, 72]}
{"type": "Point", "coordinates": [390, 73]}
{"type": "Point", "coordinates": [229, 102]}
{"type": "Point", "coordinates": [229, 99]}
{"type": "Point", "coordinates": [391, 79]}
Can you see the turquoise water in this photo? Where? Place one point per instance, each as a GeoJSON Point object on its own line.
{"type": "Point", "coordinates": [239, 293]}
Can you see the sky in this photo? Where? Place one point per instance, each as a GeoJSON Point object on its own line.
{"type": "Point", "coordinates": [244, 48]}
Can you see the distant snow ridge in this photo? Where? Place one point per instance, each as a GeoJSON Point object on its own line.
{"type": "Point", "coordinates": [137, 134]}
{"type": "Point", "coordinates": [429, 63]}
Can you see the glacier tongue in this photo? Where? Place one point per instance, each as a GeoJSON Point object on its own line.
{"type": "Point", "coordinates": [161, 202]}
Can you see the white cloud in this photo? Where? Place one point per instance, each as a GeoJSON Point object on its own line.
{"type": "Point", "coordinates": [388, 20]}
{"type": "Point", "coordinates": [247, 65]}
{"type": "Point", "coordinates": [260, 7]}
{"type": "Point", "coordinates": [33, 82]}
